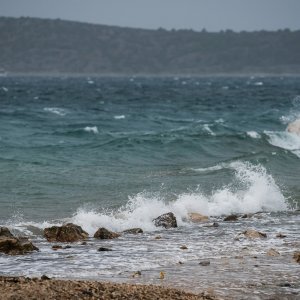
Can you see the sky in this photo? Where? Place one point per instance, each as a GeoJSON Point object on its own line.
{"type": "Point", "coordinates": [213, 15]}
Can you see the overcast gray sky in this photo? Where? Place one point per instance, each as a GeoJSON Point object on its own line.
{"type": "Point", "coordinates": [214, 15]}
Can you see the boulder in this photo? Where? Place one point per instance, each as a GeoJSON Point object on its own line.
{"type": "Point", "coordinates": [104, 234]}
{"type": "Point", "coordinates": [296, 256]}
{"type": "Point", "coordinates": [167, 220]}
{"type": "Point", "coordinates": [4, 232]}
{"type": "Point", "coordinates": [253, 234]}
{"type": "Point", "coordinates": [197, 218]}
{"type": "Point", "coordinates": [231, 218]}
{"type": "Point", "coordinates": [133, 231]}
{"type": "Point", "coordinates": [294, 127]}
{"type": "Point", "coordinates": [104, 249]}
{"type": "Point", "coordinates": [66, 233]}
{"type": "Point", "coordinates": [15, 246]}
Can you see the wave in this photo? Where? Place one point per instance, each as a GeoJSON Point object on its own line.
{"type": "Point", "coordinates": [56, 110]}
{"type": "Point", "coordinates": [252, 190]}
{"type": "Point", "coordinates": [284, 140]}
{"type": "Point", "coordinates": [93, 129]}
{"type": "Point", "coordinates": [253, 134]}
{"type": "Point", "coordinates": [119, 117]}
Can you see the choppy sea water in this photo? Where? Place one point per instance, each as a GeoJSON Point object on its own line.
{"type": "Point", "coordinates": [118, 152]}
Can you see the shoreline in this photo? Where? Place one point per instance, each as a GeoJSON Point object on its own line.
{"type": "Point", "coordinates": [20, 287]}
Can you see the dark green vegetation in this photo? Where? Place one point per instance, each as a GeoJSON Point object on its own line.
{"type": "Point", "coordinates": [29, 45]}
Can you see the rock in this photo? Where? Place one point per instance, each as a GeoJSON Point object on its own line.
{"type": "Point", "coordinates": [296, 256]}
{"type": "Point", "coordinates": [167, 220]}
{"type": "Point", "coordinates": [247, 216]}
{"type": "Point", "coordinates": [158, 237]}
{"type": "Point", "coordinates": [5, 232]}
{"type": "Point", "coordinates": [197, 218]}
{"type": "Point", "coordinates": [253, 234]}
{"type": "Point", "coordinates": [204, 263]}
{"type": "Point", "coordinates": [133, 231]}
{"type": "Point", "coordinates": [183, 247]}
{"type": "Point", "coordinates": [104, 249]}
{"type": "Point", "coordinates": [294, 127]}
{"type": "Point", "coordinates": [231, 218]}
{"type": "Point", "coordinates": [273, 252]}
{"type": "Point", "coordinates": [214, 224]}
{"type": "Point", "coordinates": [136, 274]}
{"type": "Point", "coordinates": [104, 234]}
{"type": "Point", "coordinates": [162, 275]}
{"type": "Point", "coordinates": [56, 247]}
{"type": "Point", "coordinates": [16, 246]}
{"type": "Point", "coordinates": [280, 235]}
{"type": "Point", "coordinates": [44, 277]}
{"type": "Point", "coordinates": [67, 247]}
{"type": "Point", "coordinates": [67, 233]}
{"type": "Point", "coordinates": [83, 243]}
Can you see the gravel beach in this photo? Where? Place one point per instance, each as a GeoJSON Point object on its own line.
{"type": "Point", "coordinates": [44, 288]}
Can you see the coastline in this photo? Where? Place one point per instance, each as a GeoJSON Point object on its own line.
{"type": "Point", "coordinates": [46, 288]}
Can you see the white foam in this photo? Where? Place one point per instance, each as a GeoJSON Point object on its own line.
{"type": "Point", "coordinates": [259, 83]}
{"type": "Point", "coordinates": [5, 89]}
{"type": "Point", "coordinates": [119, 117]}
{"type": "Point", "coordinates": [92, 129]}
{"type": "Point", "coordinates": [253, 134]}
{"type": "Point", "coordinates": [55, 110]}
{"type": "Point", "coordinates": [208, 130]}
{"type": "Point", "coordinates": [254, 190]}
{"type": "Point", "coordinates": [285, 140]}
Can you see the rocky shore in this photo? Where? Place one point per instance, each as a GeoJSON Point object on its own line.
{"type": "Point", "coordinates": [21, 288]}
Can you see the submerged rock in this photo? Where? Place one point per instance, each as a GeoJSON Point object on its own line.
{"type": "Point", "coordinates": [67, 233]}
{"type": "Point", "coordinates": [296, 256]}
{"type": "Point", "coordinates": [273, 252]}
{"type": "Point", "coordinates": [167, 220]}
{"type": "Point", "coordinates": [104, 234]}
{"type": "Point", "coordinates": [104, 249]}
{"type": "Point", "coordinates": [133, 231]}
{"type": "Point", "coordinates": [16, 246]}
{"type": "Point", "coordinates": [280, 235]}
{"type": "Point", "coordinates": [204, 263]}
{"type": "Point", "coordinates": [252, 234]}
{"type": "Point", "coordinates": [197, 218]}
{"type": "Point", "coordinates": [231, 218]}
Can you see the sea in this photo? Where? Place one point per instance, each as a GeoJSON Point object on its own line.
{"type": "Point", "coordinates": [117, 152]}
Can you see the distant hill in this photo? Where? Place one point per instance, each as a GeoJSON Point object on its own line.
{"type": "Point", "coordinates": [30, 45]}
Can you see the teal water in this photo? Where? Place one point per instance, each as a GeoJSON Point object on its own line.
{"type": "Point", "coordinates": [66, 143]}
{"type": "Point", "coordinates": [118, 152]}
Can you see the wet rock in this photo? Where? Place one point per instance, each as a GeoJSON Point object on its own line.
{"type": "Point", "coordinates": [214, 224]}
{"type": "Point", "coordinates": [136, 274]}
{"type": "Point", "coordinates": [247, 216]}
{"type": "Point", "coordinates": [296, 256]}
{"type": "Point", "coordinates": [158, 237]}
{"type": "Point", "coordinates": [253, 234]}
{"type": "Point", "coordinates": [231, 218]}
{"type": "Point", "coordinates": [197, 218]}
{"type": "Point", "coordinates": [285, 284]}
{"type": "Point", "coordinates": [16, 246]}
{"type": "Point", "coordinates": [294, 127]}
{"type": "Point", "coordinates": [83, 243]}
{"type": "Point", "coordinates": [167, 220]}
{"type": "Point", "coordinates": [67, 247]}
{"type": "Point", "coordinates": [280, 235]}
{"type": "Point", "coordinates": [133, 231]}
{"type": "Point", "coordinates": [104, 234]}
{"type": "Point", "coordinates": [44, 277]}
{"type": "Point", "coordinates": [4, 232]}
{"type": "Point", "coordinates": [273, 252]}
{"type": "Point", "coordinates": [67, 233]}
{"type": "Point", "coordinates": [104, 249]}
{"type": "Point", "coordinates": [204, 263]}
{"type": "Point", "coordinates": [56, 247]}
{"type": "Point", "coordinates": [183, 247]}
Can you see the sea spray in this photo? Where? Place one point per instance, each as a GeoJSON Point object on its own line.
{"type": "Point", "coordinates": [252, 190]}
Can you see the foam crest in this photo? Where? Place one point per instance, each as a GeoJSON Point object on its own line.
{"type": "Point", "coordinates": [92, 129]}
{"type": "Point", "coordinates": [285, 140]}
{"type": "Point", "coordinates": [253, 134]}
{"type": "Point", "coordinates": [253, 190]}
{"type": "Point", "coordinates": [55, 110]}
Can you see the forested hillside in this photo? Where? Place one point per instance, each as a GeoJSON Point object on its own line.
{"type": "Point", "coordinates": [29, 45]}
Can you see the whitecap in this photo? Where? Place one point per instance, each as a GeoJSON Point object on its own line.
{"type": "Point", "coordinates": [253, 134]}
{"type": "Point", "coordinates": [5, 89]}
{"type": "Point", "coordinates": [56, 110]}
{"type": "Point", "coordinates": [119, 117]}
{"type": "Point", "coordinates": [284, 140]}
{"type": "Point", "coordinates": [208, 130]}
{"type": "Point", "coordinates": [93, 129]}
{"type": "Point", "coordinates": [258, 83]}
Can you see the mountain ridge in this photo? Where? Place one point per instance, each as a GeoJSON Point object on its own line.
{"type": "Point", "coordinates": [45, 46]}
